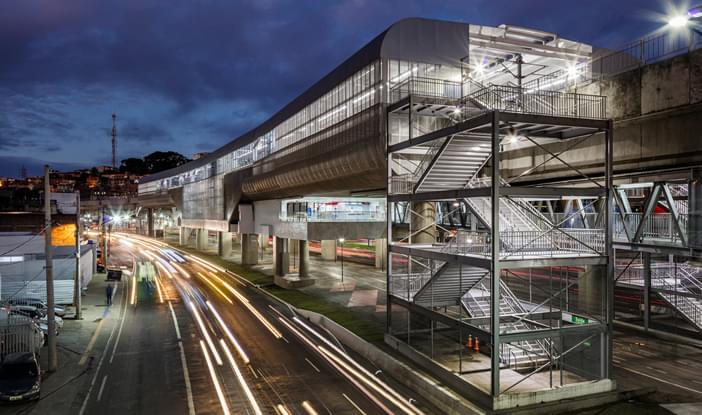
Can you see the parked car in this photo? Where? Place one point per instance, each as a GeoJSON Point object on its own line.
{"type": "Point", "coordinates": [36, 313]}
{"type": "Point", "coordinates": [19, 377]}
{"type": "Point", "coordinates": [38, 303]}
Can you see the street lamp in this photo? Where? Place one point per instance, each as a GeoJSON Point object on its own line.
{"type": "Point", "coordinates": [678, 21]}
{"type": "Point", "coordinates": [341, 241]}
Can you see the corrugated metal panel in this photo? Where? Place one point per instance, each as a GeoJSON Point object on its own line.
{"type": "Point", "coordinates": [63, 290]}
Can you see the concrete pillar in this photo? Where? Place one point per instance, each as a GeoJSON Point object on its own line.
{"type": "Point", "coordinates": [304, 250]}
{"type": "Point", "coordinates": [590, 289]}
{"type": "Point", "coordinates": [423, 216]}
{"type": "Point", "coordinates": [281, 256]}
{"type": "Point", "coordinates": [224, 244]}
{"type": "Point", "coordinates": [329, 249]}
{"type": "Point", "coordinates": [150, 222]}
{"type": "Point", "coordinates": [381, 253]}
{"type": "Point", "coordinates": [249, 249]}
{"type": "Point", "coordinates": [182, 235]}
{"type": "Point", "coordinates": [202, 239]}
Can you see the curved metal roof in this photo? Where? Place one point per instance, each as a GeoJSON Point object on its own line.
{"type": "Point", "coordinates": [415, 39]}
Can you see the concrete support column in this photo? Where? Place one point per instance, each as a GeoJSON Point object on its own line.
{"type": "Point", "coordinates": [423, 222]}
{"type": "Point", "coordinates": [304, 250]}
{"type": "Point", "coordinates": [381, 253]}
{"type": "Point", "coordinates": [249, 249]}
{"type": "Point", "coordinates": [590, 289]}
{"type": "Point", "coordinates": [182, 235]}
{"type": "Point", "coordinates": [224, 244]}
{"type": "Point", "coordinates": [329, 249]}
{"type": "Point", "coordinates": [281, 256]}
{"type": "Point", "coordinates": [646, 257]}
{"type": "Point", "coordinates": [150, 222]}
{"type": "Point", "coordinates": [202, 240]}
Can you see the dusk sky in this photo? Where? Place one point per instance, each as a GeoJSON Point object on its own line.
{"type": "Point", "coordinates": [190, 76]}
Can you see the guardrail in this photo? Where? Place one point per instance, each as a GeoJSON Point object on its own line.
{"type": "Point", "coordinates": [426, 87]}
{"type": "Point", "coordinates": [543, 102]}
{"type": "Point", "coordinates": [659, 226]}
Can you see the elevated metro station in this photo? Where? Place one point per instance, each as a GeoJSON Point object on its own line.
{"type": "Point", "coordinates": [485, 165]}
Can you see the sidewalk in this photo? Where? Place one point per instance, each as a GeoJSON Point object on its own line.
{"type": "Point", "coordinates": [80, 344]}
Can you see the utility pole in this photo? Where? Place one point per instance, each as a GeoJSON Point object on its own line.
{"type": "Point", "coordinates": [78, 283]}
{"type": "Point", "coordinates": [51, 323]}
{"type": "Point", "coordinates": [114, 141]}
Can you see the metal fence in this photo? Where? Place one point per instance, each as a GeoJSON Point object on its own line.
{"type": "Point", "coordinates": [426, 87]}
{"type": "Point", "coordinates": [19, 334]}
{"type": "Point", "coordinates": [659, 226]}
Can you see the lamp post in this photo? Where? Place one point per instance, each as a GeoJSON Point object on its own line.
{"type": "Point", "coordinates": [341, 241]}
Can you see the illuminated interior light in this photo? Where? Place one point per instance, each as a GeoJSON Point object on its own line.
{"type": "Point", "coordinates": [215, 380]}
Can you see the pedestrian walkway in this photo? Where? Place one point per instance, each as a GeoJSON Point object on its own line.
{"type": "Point", "coordinates": [80, 343]}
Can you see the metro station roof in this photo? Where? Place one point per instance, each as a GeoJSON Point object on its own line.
{"type": "Point", "coordinates": [426, 41]}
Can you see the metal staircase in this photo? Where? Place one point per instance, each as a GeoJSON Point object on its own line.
{"type": "Point", "coordinates": [523, 355]}
{"type": "Point", "coordinates": [448, 285]}
{"type": "Point", "coordinates": [685, 282]}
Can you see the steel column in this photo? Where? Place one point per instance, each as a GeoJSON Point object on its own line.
{"type": "Point", "coordinates": [495, 261]}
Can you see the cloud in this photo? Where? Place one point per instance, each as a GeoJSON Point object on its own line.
{"type": "Point", "coordinates": [183, 74]}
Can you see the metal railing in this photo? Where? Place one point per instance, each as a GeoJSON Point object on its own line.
{"type": "Point", "coordinates": [659, 226]}
{"type": "Point", "coordinates": [534, 243]}
{"type": "Point", "coordinates": [406, 285]}
{"type": "Point", "coordinates": [335, 216]}
{"type": "Point", "coordinates": [544, 102]}
{"type": "Point", "coordinates": [425, 87]}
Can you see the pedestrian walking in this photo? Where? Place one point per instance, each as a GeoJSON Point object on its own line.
{"type": "Point", "coordinates": [108, 294]}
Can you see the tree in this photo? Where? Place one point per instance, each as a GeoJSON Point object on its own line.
{"type": "Point", "coordinates": [133, 165]}
{"type": "Point", "coordinates": [160, 160]}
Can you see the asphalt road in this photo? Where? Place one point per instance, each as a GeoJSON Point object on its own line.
{"type": "Point", "coordinates": [242, 352]}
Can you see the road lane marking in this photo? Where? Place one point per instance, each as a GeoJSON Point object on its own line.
{"type": "Point", "coordinates": [186, 376]}
{"type": "Point", "coordinates": [97, 371]}
{"type": "Point", "coordinates": [353, 403]}
{"type": "Point", "coordinates": [662, 380]}
{"type": "Point", "coordinates": [184, 364]}
{"type": "Point", "coordinates": [91, 343]}
{"type": "Point", "coordinates": [102, 387]}
{"type": "Point", "coordinates": [313, 366]}
{"type": "Point", "coordinates": [119, 333]}
{"type": "Point", "coordinates": [175, 321]}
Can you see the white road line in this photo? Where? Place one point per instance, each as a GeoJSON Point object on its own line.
{"type": "Point", "coordinates": [184, 363]}
{"type": "Point", "coordinates": [353, 403]}
{"type": "Point", "coordinates": [175, 321]}
{"type": "Point", "coordinates": [102, 387]}
{"type": "Point", "coordinates": [119, 333]}
{"type": "Point", "coordinates": [662, 380]}
{"type": "Point", "coordinates": [186, 376]}
{"type": "Point", "coordinates": [97, 371]}
{"type": "Point", "coordinates": [312, 364]}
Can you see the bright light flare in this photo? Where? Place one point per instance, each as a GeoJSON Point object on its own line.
{"type": "Point", "coordinates": [215, 380]}
{"type": "Point", "coordinates": [158, 289]}
{"type": "Point", "coordinates": [206, 334]}
{"type": "Point", "coordinates": [132, 297]}
{"type": "Point", "coordinates": [216, 288]}
{"type": "Point", "coordinates": [229, 334]}
{"type": "Point", "coordinates": [308, 407]}
{"type": "Point", "coordinates": [180, 269]}
{"type": "Point", "coordinates": [678, 21]}
{"type": "Point", "coordinates": [240, 378]}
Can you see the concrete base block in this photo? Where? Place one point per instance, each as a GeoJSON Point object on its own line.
{"type": "Point", "coordinates": [292, 281]}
